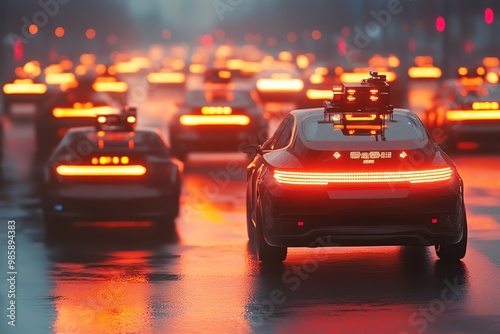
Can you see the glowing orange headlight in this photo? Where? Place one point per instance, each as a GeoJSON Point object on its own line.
{"type": "Point", "coordinates": [325, 178]}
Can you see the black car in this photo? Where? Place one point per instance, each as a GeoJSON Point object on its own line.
{"type": "Point", "coordinates": [355, 173]}
{"type": "Point", "coordinates": [111, 172]}
{"type": "Point", "coordinates": [465, 110]}
{"type": "Point", "coordinates": [217, 120]}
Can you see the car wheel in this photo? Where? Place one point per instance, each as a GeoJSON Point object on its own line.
{"type": "Point", "coordinates": [455, 252]}
{"type": "Point", "coordinates": [265, 252]}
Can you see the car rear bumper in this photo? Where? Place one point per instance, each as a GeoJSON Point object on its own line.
{"type": "Point", "coordinates": [312, 234]}
{"type": "Point", "coordinates": [82, 204]}
{"type": "Point", "coordinates": [380, 217]}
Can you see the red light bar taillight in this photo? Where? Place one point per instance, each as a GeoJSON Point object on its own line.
{"type": "Point", "coordinates": [100, 170]}
{"type": "Point", "coordinates": [473, 115]}
{"type": "Point", "coordinates": [195, 120]}
{"type": "Point", "coordinates": [325, 178]}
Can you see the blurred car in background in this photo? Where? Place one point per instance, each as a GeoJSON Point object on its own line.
{"type": "Point", "coordinates": [116, 89]}
{"type": "Point", "coordinates": [72, 107]}
{"type": "Point", "coordinates": [343, 175]}
{"type": "Point", "coordinates": [318, 83]}
{"type": "Point", "coordinates": [109, 172]}
{"type": "Point", "coordinates": [221, 76]}
{"type": "Point", "coordinates": [166, 78]}
{"type": "Point", "coordinates": [465, 110]}
{"type": "Point", "coordinates": [23, 96]}
{"type": "Point", "coordinates": [216, 120]}
{"type": "Point", "coordinates": [24, 93]}
{"type": "Point", "coordinates": [279, 85]}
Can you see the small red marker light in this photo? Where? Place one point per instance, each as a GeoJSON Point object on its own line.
{"type": "Point", "coordinates": [434, 220]}
{"type": "Point", "coordinates": [300, 223]}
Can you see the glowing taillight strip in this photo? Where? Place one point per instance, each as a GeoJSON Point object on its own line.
{"type": "Point", "coordinates": [86, 112]}
{"type": "Point", "coordinates": [318, 94]}
{"type": "Point", "coordinates": [59, 78]}
{"type": "Point", "coordinates": [280, 85]}
{"type": "Point", "coordinates": [128, 170]}
{"type": "Point", "coordinates": [424, 72]}
{"type": "Point", "coordinates": [194, 120]}
{"type": "Point", "coordinates": [473, 115]}
{"type": "Point", "coordinates": [24, 87]}
{"type": "Point", "coordinates": [110, 87]}
{"type": "Point", "coordinates": [166, 77]}
{"type": "Point", "coordinates": [318, 178]}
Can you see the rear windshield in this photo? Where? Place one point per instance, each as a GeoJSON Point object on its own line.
{"type": "Point", "coordinates": [201, 98]}
{"type": "Point", "coordinates": [399, 129]}
{"type": "Point", "coordinates": [144, 142]}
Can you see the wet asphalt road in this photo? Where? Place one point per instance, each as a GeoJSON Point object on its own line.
{"type": "Point", "coordinates": [203, 277]}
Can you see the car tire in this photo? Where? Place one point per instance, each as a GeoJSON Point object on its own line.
{"type": "Point", "coordinates": [455, 252]}
{"type": "Point", "coordinates": [265, 252]}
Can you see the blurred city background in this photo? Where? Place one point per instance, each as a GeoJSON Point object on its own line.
{"type": "Point", "coordinates": [453, 32]}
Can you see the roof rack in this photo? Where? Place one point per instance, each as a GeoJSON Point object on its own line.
{"type": "Point", "coordinates": [360, 108]}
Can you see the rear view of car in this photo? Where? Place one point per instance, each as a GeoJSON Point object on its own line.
{"type": "Point", "coordinates": [74, 107]}
{"type": "Point", "coordinates": [466, 110]}
{"type": "Point", "coordinates": [217, 120]}
{"type": "Point", "coordinates": [111, 172]}
{"type": "Point", "coordinates": [356, 173]}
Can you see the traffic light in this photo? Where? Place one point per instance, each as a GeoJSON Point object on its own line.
{"type": "Point", "coordinates": [489, 16]}
{"type": "Point", "coordinates": [440, 24]}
